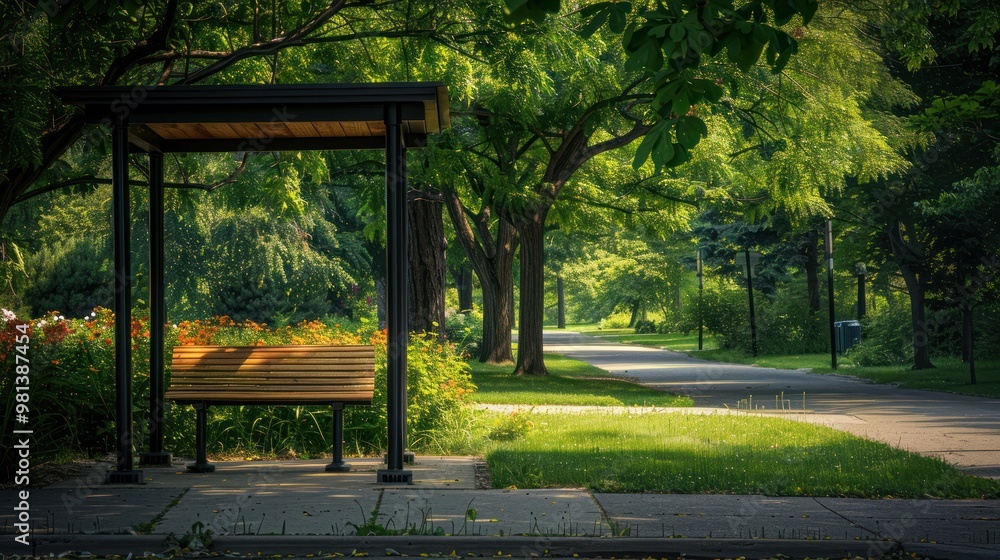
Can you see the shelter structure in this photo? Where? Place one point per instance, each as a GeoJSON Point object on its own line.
{"type": "Point", "coordinates": [248, 118]}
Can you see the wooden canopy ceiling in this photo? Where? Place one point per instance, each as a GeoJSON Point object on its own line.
{"type": "Point", "coordinates": [265, 117]}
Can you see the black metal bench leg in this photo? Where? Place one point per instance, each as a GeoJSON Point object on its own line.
{"type": "Point", "coordinates": [201, 464]}
{"type": "Point", "coordinates": [338, 464]}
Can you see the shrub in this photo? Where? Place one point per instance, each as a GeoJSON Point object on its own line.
{"type": "Point", "coordinates": [465, 330]}
{"type": "Point", "coordinates": [886, 338]}
{"type": "Point", "coordinates": [616, 320]}
{"type": "Point", "coordinates": [645, 327]}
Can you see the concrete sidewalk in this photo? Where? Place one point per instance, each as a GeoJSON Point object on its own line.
{"type": "Point", "coordinates": [255, 505]}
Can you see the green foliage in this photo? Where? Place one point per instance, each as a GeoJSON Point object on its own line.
{"type": "Point", "coordinates": [886, 338]}
{"type": "Point", "coordinates": [645, 327]}
{"type": "Point", "coordinates": [68, 276]}
{"type": "Point", "coordinates": [726, 314]}
{"type": "Point", "coordinates": [465, 330]}
{"type": "Point", "coordinates": [510, 427]}
{"type": "Point", "coordinates": [785, 324]}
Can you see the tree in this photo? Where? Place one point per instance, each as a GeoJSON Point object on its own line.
{"type": "Point", "coordinates": [665, 46]}
{"type": "Point", "coordinates": [962, 35]}
{"type": "Point", "coordinates": [166, 42]}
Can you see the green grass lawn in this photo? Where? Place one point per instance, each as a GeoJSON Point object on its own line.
{"type": "Point", "coordinates": [570, 382]}
{"type": "Point", "coordinates": [672, 341]}
{"type": "Point", "coordinates": [719, 454]}
{"type": "Point", "coordinates": [673, 452]}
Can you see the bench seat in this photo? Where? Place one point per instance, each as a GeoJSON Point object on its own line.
{"type": "Point", "coordinates": [205, 376]}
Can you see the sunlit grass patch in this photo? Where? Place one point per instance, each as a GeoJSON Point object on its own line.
{"type": "Point", "coordinates": [733, 454]}
{"type": "Point", "coordinates": [570, 382]}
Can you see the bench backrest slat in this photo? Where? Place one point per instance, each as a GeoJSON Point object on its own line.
{"type": "Point", "coordinates": [272, 374]}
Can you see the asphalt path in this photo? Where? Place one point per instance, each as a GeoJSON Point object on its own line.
{"type": "Point", "coordinates": [963, 430]}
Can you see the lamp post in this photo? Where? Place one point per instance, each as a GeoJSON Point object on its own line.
{"type": "Point", "coordinates": [861, 271]}
{"type": "Point", "coordinates": [701, 294]}
{"type": "Point", "coordinates": [748, 260]}
{"type": "Point", "coordinates": [829, 281]}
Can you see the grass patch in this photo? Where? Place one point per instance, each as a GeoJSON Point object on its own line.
{"type": "Point", "coordinates": [950, 375]}
{"type": "Point", "coordinates": [588, 328]}
{"type": "Point", "coordinates": [719, 454]}
{"type": "Point", "coordinates": [818, 363]}
{"type": "Point", "coordinates": [570, 382]}
{"type": "Point", "coordinates": [671, 341]}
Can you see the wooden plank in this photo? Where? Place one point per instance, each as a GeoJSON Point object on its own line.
{"type": "Point", "coordinates": [356, 129]}
{"type": "Point", "coordinates": [329, 129]}
{"type": "Point", "coordinates": [273, 368]}
{"type": "Point", "coordinates": [322, 392]}
{"type": "Point", "coordinates": [172, 131]}
{"type": "Point", "coordinates": [360, 397]}
{"type": "Point", "coordinates": [221, 371]}
{"type": "Point", "coordinates": [229, 382]}
{"type": "Point", "coordinates": [246, 130]}
{"type": "Point", "coordinates": [291, 350]}
{"type": "Point", "coordinates": [277, 347]}
{"type": "Point", "coordinates": [302, 129]}
{"type": "Point", "coordinates": [275, 357]}
{"type": "Point", "coordinates": [276, 129]}
{"type": "Point", "coordinates": [217, 130]}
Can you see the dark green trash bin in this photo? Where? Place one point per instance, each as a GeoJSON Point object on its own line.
{"type": "Point", "coordinates": [847, 334]}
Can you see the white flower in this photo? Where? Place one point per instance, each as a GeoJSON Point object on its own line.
{"type": "Point", "coordinates": [42, 323]}
{"type": "Point", "coordinates": [62, 318]}
{"type": "Point", "coordinates": [8, 315]}
{"type": "Point", "coordinates": [93, 314]}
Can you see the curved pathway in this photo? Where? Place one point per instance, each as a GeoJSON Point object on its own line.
{"type": "Point", "coordinates": [963, 430]}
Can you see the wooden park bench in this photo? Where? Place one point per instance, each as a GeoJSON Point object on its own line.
{"type": "Point", "coordinates": [272, 375]}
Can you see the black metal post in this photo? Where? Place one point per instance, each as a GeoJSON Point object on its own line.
{"type": "Point", "coordinates": [862, 298]}
{"type": "Point", "coordinates": [829, 281]}
{"type": "Point", "coordinates": [561, 295]}
{"type": "Point", "coordinates": [157, 315]}
{"type": "Point", "coordinates": [701, 293]}
{"type": "Point", "coordinates": [201, 464]}
{"type": "Point", "coordinates": [337, 464]}
{"type": "Point", "coordinates": [124, 473]}
{"type": "Point", "coordinates": [397, 299]}
{"type": "Point", "coordinates": [753, 317]}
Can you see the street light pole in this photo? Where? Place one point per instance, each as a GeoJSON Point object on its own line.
{"type": "Point", "coordinates": [701, 294]}
{"type": "Point", "coordinates": [753, 318]}
{"type": "Point", "coordinates": [829, 281]}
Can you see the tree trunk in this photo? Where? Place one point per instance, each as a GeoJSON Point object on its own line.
{"type": "Point", "coordinates": [811, 254]}
{"type": "Point", "coordinates": [921, 354]}
{"type": "Point", "coordinates": [634, 317]}
{"type": "Point", "coordinates": [428, 268]}
{"type": "Point", "coordinates": [560, 304]}
{"type": "Point", "coordinates": [497, 318]}
{"type": "Point", "coordinates": [530, 351]}
{"type": "Point", "coordinates": [901, 252]}
{"type": "Point", "coordinates": [462, 275]}
{"type": "Point", "coordinates": [493, 262]}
